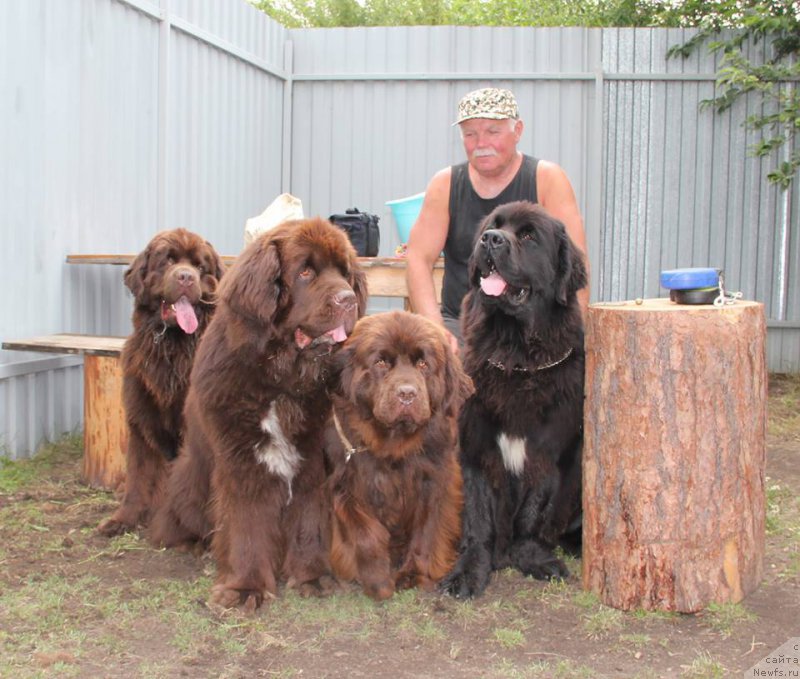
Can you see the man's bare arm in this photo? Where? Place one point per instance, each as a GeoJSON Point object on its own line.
{"type": "Point", "coordinates": [425, 244]}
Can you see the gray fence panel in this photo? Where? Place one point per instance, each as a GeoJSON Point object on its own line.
{"type": "Point", "coordinates": [76, 177]}
{"type": "Point", "coordinates": [373, 107]}
{"type": "Point", "coordinates": [682, 189]}
{"type": "Point", "coordinates": [224, 139]}
{"type": "Point", "coordinates": [124, 117]}
{"type": "Point", "coordinates": [33, 407]}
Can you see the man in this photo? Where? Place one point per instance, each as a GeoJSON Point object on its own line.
{"type": "Point", "coordinates": [459, 197]}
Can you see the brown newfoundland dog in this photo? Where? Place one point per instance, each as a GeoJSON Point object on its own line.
{"type": "Point", "coordinates": [173, 282]}
{"type": "Point", "coordinates": [396, 482]}
{"type": "Point", "coordinates": [521, 432]}
{"type": "Point", "coordinates": [251, 471]}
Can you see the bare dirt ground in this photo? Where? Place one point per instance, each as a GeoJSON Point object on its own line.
{"type": "Point", "coordinates": [73, 604]}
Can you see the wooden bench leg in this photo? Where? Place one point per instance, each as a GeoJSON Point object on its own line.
{"type": "Point", "coordinates": [105, 437]}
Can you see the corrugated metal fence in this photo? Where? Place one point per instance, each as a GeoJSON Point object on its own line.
{"type": "Point", "coordinates": [122, 117]}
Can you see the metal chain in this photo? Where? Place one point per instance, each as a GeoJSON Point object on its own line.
{"type": "Point", "coordinates": [725, 297]}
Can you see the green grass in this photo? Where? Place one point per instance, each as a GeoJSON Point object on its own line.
{"type": "Point", "coordinates": [562, 669]}
{"type": "Point", "coordinates": [703, 667]}
{"type": "Point", "coordinates": [791, 570]}
{"type": "Point", "coordinates": [585, 599]}
{"type": "Point", "coordinates": [724, 618]}
{"type": "Point", "coordinates": [466, 612]}
{"type": "Point", "coordinates": [40, 622]}
{"type": "Point", "coordinates": [18, 474]}
{"type": "Point", "coordinates": [573, 563]}
{"type": "Point", "coordinates": [637, 641]}
{"type": "Point", "coordinates": [78, 605]}
{"type": "Point", "coordinates": [502, 607]}
{"type": "Point", "coordinates": [342, 609]}
{"type": "Point", "coordinates": [779, 501]}
{"type": "Point", "coordinates": [84, 616]}
{"type": "Point", "coordinates": [556, 593]}
{"type": "Point", "coordinates": [600, 623]}
{"type": "Point", "coordinates": [783, 414]}
{"type": "Point", "coordinates": [783, 524]}
{"type": "Point", "coordinates": [509, 638]}
{"type": "Point", "coordinates": [409, 611]}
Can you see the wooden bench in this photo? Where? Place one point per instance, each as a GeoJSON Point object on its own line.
{"type": "Point", "coordinates": [105, 432]}
{"type": "Point", "coordinates": [105, 436]}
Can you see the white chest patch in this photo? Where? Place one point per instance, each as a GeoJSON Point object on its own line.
{"type": "Point", "coordinates": [279, 455]}
{"type": "Point", "coordinates": [512, 449]}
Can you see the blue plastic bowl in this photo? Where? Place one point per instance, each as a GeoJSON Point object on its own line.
{"type": "Point", "coordinates": [405, 212]}
{"type": "Point", "coordinates": [690, 279]}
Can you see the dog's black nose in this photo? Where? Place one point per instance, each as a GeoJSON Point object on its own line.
{"type": "Point", "coordinates": [406, 393]}
{"type": "Point", "coordinates": [345, 299]}
{"type": "Point", "coordinates": [185, 276]}
{"type": "Point", "coordinates": [494, 239]}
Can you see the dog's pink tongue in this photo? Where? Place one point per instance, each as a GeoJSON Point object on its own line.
{"type": "Point", "coordinates": [337, 334]}
{"type": "Point", "coordinates": [493, 285]}
{"type": "Point", "coordinates": [184, 314]}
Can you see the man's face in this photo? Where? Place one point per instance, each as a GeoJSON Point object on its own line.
{"type": "Point", "coordinates": [490, 144]}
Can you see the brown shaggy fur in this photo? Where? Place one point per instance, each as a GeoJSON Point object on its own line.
{"type": "Point", "coordinates": [397, 499]}
{"type": "Point", "coordinates": [177, 270]}
{"type": "Point", "coordinates": [251, 474]}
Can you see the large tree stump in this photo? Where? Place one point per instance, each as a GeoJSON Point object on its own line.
{"type": "Point", "coordinates": [674, 454]}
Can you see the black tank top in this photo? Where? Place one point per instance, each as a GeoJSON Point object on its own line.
{"type": "Point", "coordinates": [467, 210]}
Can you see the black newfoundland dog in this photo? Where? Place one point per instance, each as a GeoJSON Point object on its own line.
{"type": "Point", "coordinates": [522, 430]}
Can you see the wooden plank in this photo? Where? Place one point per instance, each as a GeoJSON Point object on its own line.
{"type": "Point", "coordinates": [385, 275]}
{"type": "Point", "coordinates": [124, 259]}
{"type": "Point", "coordinates": [390, 281]}
{"type": "Point", "coordinates": [67, 343]}
{"type": "Point", "coordinates": [100, 259]}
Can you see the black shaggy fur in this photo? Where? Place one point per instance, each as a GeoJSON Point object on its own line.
{"type": "Point", "coordinates": [521, 432]}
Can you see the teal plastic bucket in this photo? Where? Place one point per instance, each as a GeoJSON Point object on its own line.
{"type": "Point", "coordinates": [405, 211]}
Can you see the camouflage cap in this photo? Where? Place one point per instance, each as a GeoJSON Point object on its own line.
{"type": "Point", "coordinates": [490, 102]}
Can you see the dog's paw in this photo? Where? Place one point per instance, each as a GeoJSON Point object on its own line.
{"type": "Point", "coordinates": [194, 547]}
{"type": "Point", "coordinates": [112, 527]}
{"type": "Point", "coordinates": [320, 587]}
{"type": "Point", "coordinates": [549, 568]}
{"type": "Point", "coordinates": [247, 600]}
{"type": "Point", "coordinates": [406, 580]}
{"type": "Point", "coordinates": [379, 591]}
{"type": "Point", "coordinates": [462, 584]}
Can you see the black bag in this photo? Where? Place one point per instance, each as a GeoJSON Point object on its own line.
{"type": "Point", "coordinates": [362, 229]}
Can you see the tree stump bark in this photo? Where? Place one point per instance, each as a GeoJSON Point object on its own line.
{"type": "Point", "coordinates": [674, 454]}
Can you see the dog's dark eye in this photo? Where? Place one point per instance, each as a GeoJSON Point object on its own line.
{"type": "Point", "coordinates": [380, 362]}
{"type": "Point", "coordinates": [170, 260]}
{"type": "Point", "coordinates": [422, 364]}
{"type": "Point", "coordinates": [201, 269]}
{"type": "Point", "coordinates": [527, 235]}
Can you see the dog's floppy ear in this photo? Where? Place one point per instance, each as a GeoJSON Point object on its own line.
{"type": "Point", "coordinates": [252, 286]}
{"type": "Point", "coordinates": [219, 267]}
{"type": "Point", "coordinates": [571, 270]}
{"type": "Point", "coordinates": [458, 385]}
{"type": "Point", "coordinates": [472, 264]}
{"type": "Point", "coordinates": [135, 275]}
{"type": "Point", "coordinates": [359, 285]}
{"type": "Point", "coordinates": [341, 366]}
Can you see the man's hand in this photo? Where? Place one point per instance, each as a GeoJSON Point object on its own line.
{"type": "Point", "coordinates": [451, 338]}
